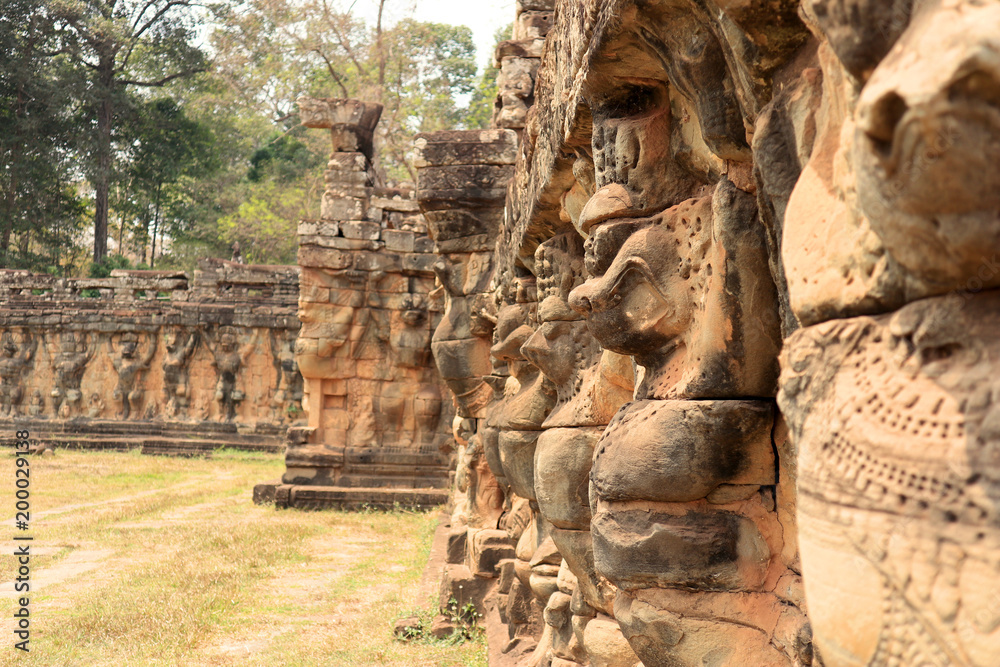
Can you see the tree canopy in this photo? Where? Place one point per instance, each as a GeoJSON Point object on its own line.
{"type": "Point", "coordinates": [169, 127]}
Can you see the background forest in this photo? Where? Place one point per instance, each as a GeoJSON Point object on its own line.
{"type": "Point", "coordinates": [149, 133]}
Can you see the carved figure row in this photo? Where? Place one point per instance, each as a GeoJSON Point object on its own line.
{"type": "Point", "coordinates": [131, 355]}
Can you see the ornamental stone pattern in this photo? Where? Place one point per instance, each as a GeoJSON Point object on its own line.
{"type": "Point", "coordinates": [723, 370]}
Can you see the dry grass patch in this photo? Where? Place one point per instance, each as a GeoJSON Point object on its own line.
{"type": "Point", "coordinates": [145, 560]}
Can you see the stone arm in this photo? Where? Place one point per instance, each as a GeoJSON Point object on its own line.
{"type": "Point", "coordinates": [150, 351]}
{"type": "Point", "coordinates": [443, 272]}
{"type": "Point", "coordinates": [192, 342]}
{"type": "Point", "coordinates": [251, 344]}
{"type": "Point", "coordinates": [275, 346]}
{"type": "Point", "coordinates": [29, 350]}
{"type": "Point", "coordinates": [90, 347]}
{"type": "Point", "coordinates": [210, 344]}
{"type": "Point", "coordinates": [111, 354]}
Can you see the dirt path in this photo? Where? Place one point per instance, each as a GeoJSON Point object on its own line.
{"type": "Point", "coordinates": [120, 585]}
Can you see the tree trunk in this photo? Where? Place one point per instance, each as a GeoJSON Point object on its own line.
{"type": "Point", "coordinates": [156, 226]}
{"type": "Point", "coordinates": [11, 206]}
{"type": "Point", "coordinates": [102, 174]}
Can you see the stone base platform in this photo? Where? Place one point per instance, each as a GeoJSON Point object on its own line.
{"type": "Point", "coordinates": [346, 498]}
{"type": "Point", "coordinates": [385, 467]}
{"type": "Point", "coordinates": [165, 438]}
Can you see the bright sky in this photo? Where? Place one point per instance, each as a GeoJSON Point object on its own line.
{"type": "Point", "coordinates": [483, 16]}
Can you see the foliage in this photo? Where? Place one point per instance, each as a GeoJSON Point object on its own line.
{"type": "Point", "coordinates": [168, 151]}
{"type": "Point", "coordinates": [41, 212]}
{"type": "Point", "coordinates": [271, 51]}
{"type": "Point", "coordinates": [118, 45]}
{"type": "Point", "coordinates": [464, 619]}
{"type": "Point", "coordinates": [265, 224]}
{"type": "Point", "coordinates": [111, 263]}
{"type": "Point", "coordinates": [111, 111]}
{"type": "Point", "coordinates": [484, 97]}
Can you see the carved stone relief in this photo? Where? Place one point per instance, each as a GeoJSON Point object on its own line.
{"type": "Point", "coordinates": [376, 413]}
{"type": "Point", "coordinates": [886, 394]}
{"type": "Point", "coordinates": [102, 352]}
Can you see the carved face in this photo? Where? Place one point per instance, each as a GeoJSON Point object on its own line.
{"type": "Point", "coordinates": [631, 143]}
{"type": "Point", "coordinates": [173, 339]}
{"type": "Point", "coordinates": [511, 333]}
{"type": "Point", "coordinates": [640, 303]}
{"type": "Point", "coordinates": [550, 349]}
{"type": "Point", "coordinates": [228, 342]}
{"type": "Point", "coordinates": [67, 346]}
{"type": "Point", "coordinates": [656, 135]}
{"type": "Point", "coordinates": [928, 142]}
{"type": "Point", "coordinates": [528, 398]}
{"type": "Point", "coordinates": [128, 348]}
{"type": "Point", "coordinates": [413, 317]}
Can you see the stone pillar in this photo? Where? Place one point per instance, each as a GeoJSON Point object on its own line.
{"type": "Point", "coordinates": [377, 417]}
{"type": "Point", "coordinates": [462, 179]}
{"type": "Point", "coordinates": [517, 59]}
{"type": "Point", "coordinates": [890, 390]}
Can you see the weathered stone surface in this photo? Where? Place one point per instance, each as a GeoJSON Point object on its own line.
{"type": "Point", "coordinates": [465, 147]}
{"type": "Point", "coordinates": [606, 646]}
{"type": "Point", "coordinates": [688, 449]}
{"type": "Point", "coordinates": [375, 408]}
{"type": "Point", "coordinates": [152, 357]}
{"type": "Point", "coordinates": [694, 183]}
{"type": "Point", "coordinates": [893, 421]}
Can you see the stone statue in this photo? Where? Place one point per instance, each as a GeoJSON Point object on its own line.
{"type": "Point", "coordinates": [69, 364]}
{"type": "Point", "coordinates": [890, 390]}
{"type": "Point", "coordinates": [176, 387]}
{"type": "Point", "coordinates": [708, 183]}
{"type": "Point", "coordinates": [130, 370]}
{"type": "Point", "coordinates": [670, 231]}
{"type": "Point", "coordinates": [228, 357]}
{"type": "Point", "coordinates": [36, 406]}
{"type": "Point", "coordinates": [568, 355]}
{"type": "Point", "coordinates": [13, 363]}
{"type": "Point", "coordinates": [288, 395]}
{"type": "Point", "coordinates": [410, 335]}
{"type": "Point", "coordinates": [95, 406]}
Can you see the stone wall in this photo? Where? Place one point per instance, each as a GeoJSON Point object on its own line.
{"type": "Point", "coordinates": [707, 193]}
{"type": "Point", "coordinates": [379, 427]}
{"type": "Point", "coordinates": [152, 358]}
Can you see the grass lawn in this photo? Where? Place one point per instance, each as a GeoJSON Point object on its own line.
{"type": "Point", "coordinates": [147, 560]}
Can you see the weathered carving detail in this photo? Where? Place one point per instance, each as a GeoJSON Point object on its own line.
{"type": "Point", "coordinates": [129, 348]}
{"type": "Point", "coordinates": [887, 393]}
{"type": "Point", "coordinates": [648, 470]}
{"type": "Point", "coordinates": [898, 480]}
{"type": "Point", "coordinates": [18, 353]}
{"type": "Point", "coordinates": [227, 358]}
{"type": "Point", "coordinates": [178, 346]}
{"type": "Point", "coordinates": [288, 393]}
{"type": "Point", "coordinates": [376, 417]}
{"type": "Point", "coordinates": [68, 364]}
{"type": "Point", "coordinates": [130, 369]}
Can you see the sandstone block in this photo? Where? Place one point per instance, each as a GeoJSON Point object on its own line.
{"type": "Point", "coordinates": [397, 241]}
{"type": "Point", "coordinates": [692, 447]}
{"type": "Point", "coordinates": [487, 549]}
{"type": "Point", "coordinates": [370, 231]}
{"type": "Point", "coordinates": [333, 207]}
{"type": "Point", "coordinates": [466, 147]}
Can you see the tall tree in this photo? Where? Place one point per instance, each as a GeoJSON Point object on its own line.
{"type": "Point", "coordinates": [124, 44]}
{"type": "Point", "coordinates": [167, 150]}
{"type": "Point", "coordinates": [274, 50]}
{"type": "Point", "coordinates": [40, 210]}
